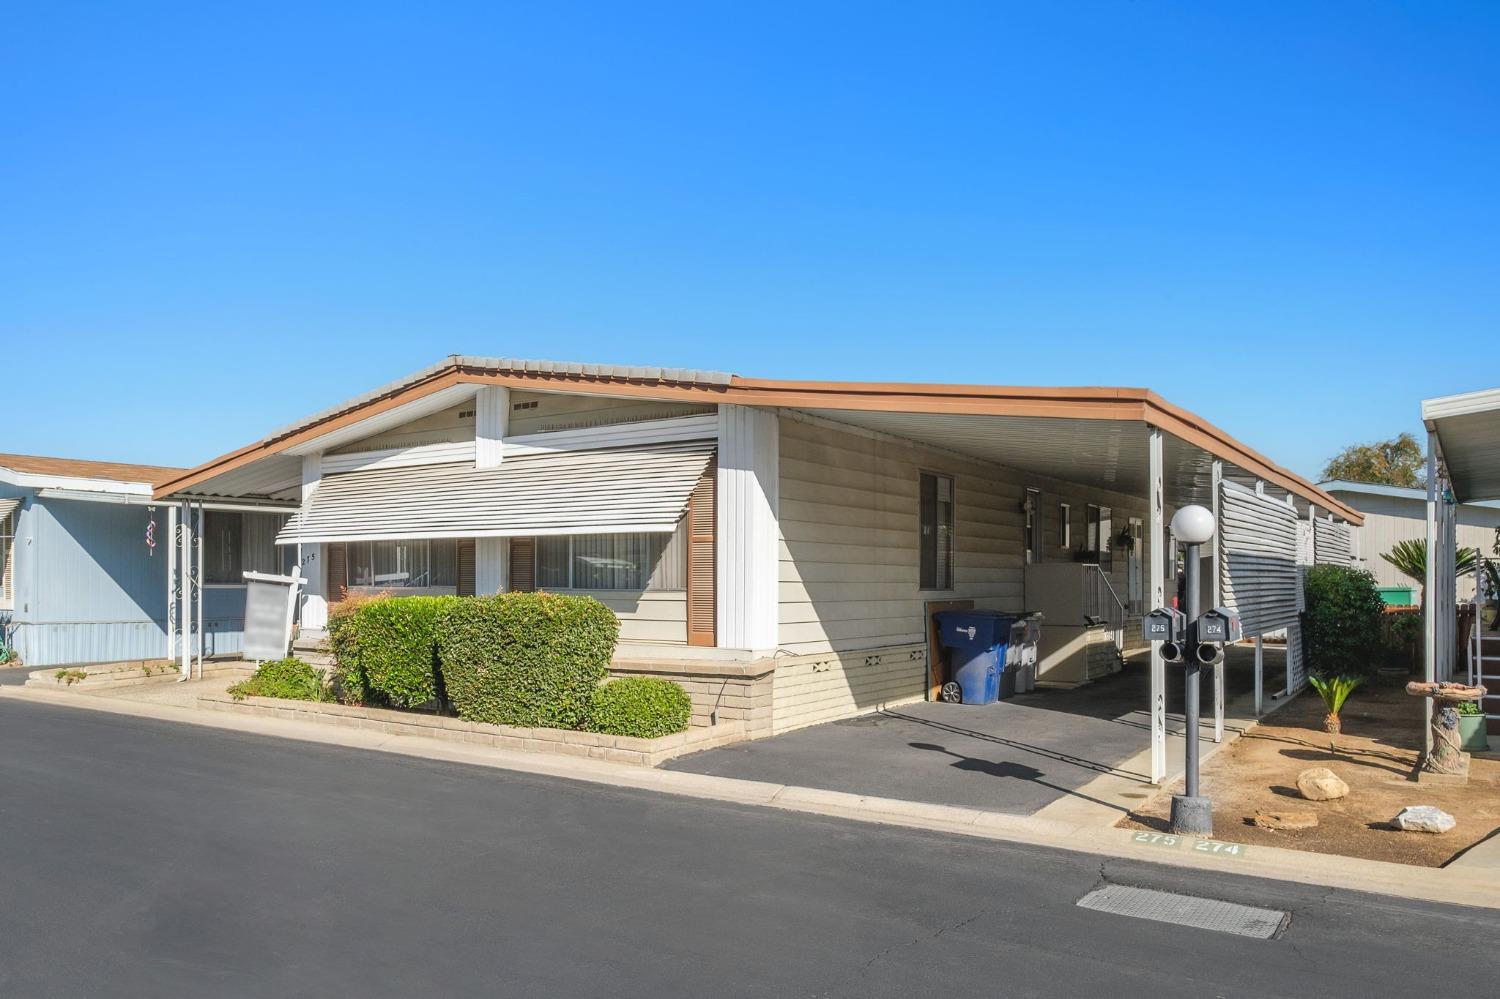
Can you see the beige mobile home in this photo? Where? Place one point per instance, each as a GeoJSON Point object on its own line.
{"type": "Point", "coordinates": [780, 546]}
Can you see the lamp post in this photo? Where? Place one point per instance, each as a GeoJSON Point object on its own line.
{"type": "Point", "coordinates": [1193, 526]}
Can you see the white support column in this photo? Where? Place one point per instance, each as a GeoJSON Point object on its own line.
{"type": "Point", "coordinates": [491, 424]}
{"type": "Point", "coordinates": [491, 566]}
{"type": "Point", "coordinates": [747, 547]}
{"type": "Point", "coordinates": [198, 578]}
{"type": "Point", "coordinates": [185, 611]}
{"type": "Point", "coordinates": [1158, 566]}
{"type": "Point", "coordinates": [315, 596]}
{"type": "Point", "coordinates": [1430, 597]}
{"type": "Point", "coordinates": [173, 583]}
{"type": "Point", "coordinates": [1215, 589]}
{"type": "Point", "coordinates": [1260, 672]}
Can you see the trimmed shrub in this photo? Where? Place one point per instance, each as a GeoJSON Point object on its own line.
{"type": "Point", "coordinates": [528, 659]}
{"type": "Point", "coordinates": [641, 706]}
{"type": "Point", "coordinates": [1341, 627]}
{"type": "Point", "coordinates": [387, 649]}
{"type": "Point", "coordinates": [289, 678]}
{"type": "Point", "coordinates": [397, 640]}
{"type": "Point", "coordinates": [343, 640]}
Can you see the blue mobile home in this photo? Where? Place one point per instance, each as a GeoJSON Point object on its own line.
{"type": "Point", "coordinates": [80, 582]}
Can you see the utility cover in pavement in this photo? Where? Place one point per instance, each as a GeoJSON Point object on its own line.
{"type": "Point", "coordinates": [1185, 910]}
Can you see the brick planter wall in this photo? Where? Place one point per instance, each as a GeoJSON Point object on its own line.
{"type": "Point", "coordinates": [563, 742]}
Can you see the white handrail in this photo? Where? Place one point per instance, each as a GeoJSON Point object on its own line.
{"type": "Point", "coordinates": [1117, 621]}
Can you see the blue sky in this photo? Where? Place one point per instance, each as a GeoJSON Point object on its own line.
{"type": "Point", "coordinates": [213, 221]}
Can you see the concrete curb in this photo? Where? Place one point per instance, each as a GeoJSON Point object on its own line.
{"type": "Point", "coordinates": [1459, 885]}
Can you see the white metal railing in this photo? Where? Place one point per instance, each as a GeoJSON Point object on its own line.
{"type": "Point", "coordinates": [1101, 602]}
{"type": "Point", "coordinates": [1478, 661]}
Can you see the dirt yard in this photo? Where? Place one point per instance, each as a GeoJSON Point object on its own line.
{"type": "Point", "coordinates": [1377, 755]}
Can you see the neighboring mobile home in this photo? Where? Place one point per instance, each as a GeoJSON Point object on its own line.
{"type": "Point", "coordinates": [776, 546]}
{"type": "Point", "coordinates": [85, 567]}
{"type": "Point", "coordinates": [1394, 514]}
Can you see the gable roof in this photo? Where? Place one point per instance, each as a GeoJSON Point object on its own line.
{"type": "Point", "coordinates": [707, 387]}
{"type": "Point", "coordinates": [76, 468]}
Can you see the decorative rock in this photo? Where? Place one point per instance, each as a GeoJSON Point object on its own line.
{"type": "Point", "coordinates": [1321, 784]}
{"type": "Point", "coordinates": [1424, 818]}
{"type": "Point", "coordinates": [1286, 820]}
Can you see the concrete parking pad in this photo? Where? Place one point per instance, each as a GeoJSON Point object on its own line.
{"type": "Point", "coordinates": [1017, 756]}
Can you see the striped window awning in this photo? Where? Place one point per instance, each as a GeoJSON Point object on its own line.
{"type": "Point", "coordinates": [8, 507]}
{"type": "Point", "coordinates": [637, 489]}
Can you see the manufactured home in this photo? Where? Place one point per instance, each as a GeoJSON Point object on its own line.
{"type": "Point", "coordinates": [85, 554]}
{"type": "Point", "coordinates": [779, 547]}
{"type": "Point", "coordinates": [1394, 514]}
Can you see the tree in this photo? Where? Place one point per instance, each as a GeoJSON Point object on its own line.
{"type": "Point", "coordinates": [1396, 462]}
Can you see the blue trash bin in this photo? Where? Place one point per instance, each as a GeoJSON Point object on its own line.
{"type": "Point", "coordinates": [977, 641]}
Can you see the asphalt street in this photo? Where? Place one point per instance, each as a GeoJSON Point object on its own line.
{"type": "Point", "coordinates": [144, 858]}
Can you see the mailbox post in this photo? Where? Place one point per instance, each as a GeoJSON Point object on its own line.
{"type": "Point", "coordinates": [1193, 526]}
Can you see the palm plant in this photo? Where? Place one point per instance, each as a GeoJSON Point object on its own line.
{"type": "Point", "coordinates": [1410, 559]}
{"type": "Point", "coordinates": [1334, 690]}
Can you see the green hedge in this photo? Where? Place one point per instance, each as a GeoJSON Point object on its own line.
{"type": "Point", "coordinates": [1342, 623]}
{"type": "Point", "coordinates": [385, 648]}
{"type": "Point", "coordinates": [528, 659]}
{"type": "Point", "coordinates": [642, 706]}
{"type": "Point", "coordinates": [289, 678]}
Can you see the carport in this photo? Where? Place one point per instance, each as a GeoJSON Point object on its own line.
{"type": "Point", "coordinates": [1129, 442]}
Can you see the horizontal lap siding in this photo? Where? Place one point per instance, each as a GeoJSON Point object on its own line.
{"type": "Point", "coordinates": [848, 520]}
{"type": "Point", "coordinates": [658, 616]}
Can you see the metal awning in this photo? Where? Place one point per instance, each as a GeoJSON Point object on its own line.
{"type": "Point", "coordinates": [1467, 431]}
{"type": "Point", "coordinates": [8, 507]}
{"type": "Point", "coordinates": [638, 489]}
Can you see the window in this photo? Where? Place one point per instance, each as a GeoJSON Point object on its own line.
{"type": "Point", "coordinates": [1033, 509]}
{"type": "Point", "coordinates": [416, 564]}
{"type": "Point", "coordinates": [7, 558]}
{"type": "Point", "coordinates": [936, 541]}
{"type": "Point", "coordinates": [1065, 525]}
{"type": "Point", "coordinates": [235, 543]}
{"type": "Point", "coordinates": [1098, 540]}
{"type": "Point", "coordinates": [613, 561]}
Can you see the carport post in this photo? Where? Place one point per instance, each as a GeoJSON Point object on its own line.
{"type": "Point", "coordinates": [1217, 599]}
{"type": "Point", "coordinates": [1158, 552]}
{"type": "Point", "coordinates": [1260, 672]}
{"type": "Point", "coordinates": [171, 582]}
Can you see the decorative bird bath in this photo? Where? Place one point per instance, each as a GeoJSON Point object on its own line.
{"type": "Point", "coordinates": [1446, 761]}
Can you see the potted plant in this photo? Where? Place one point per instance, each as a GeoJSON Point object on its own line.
{"type": "Point", "coordinates": [1472, 733]}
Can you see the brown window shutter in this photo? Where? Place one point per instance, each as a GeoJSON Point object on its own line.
{"type": "Point", "coordinates": [701, 626]}
{"type": "Point", "coordinates": [338, 571]}
{"type": "Point", "coordinates": [465, 553]}
{"type": "Point", "coordinates": [522, 564]}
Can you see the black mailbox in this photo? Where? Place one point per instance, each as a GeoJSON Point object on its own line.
{"type": "Point", "coordinates": [1219, 625]}
{"type": "Point", "coordinates": [1165, 624]}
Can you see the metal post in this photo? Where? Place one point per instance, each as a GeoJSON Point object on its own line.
{"type": "Point", "coordinates": [1158, 569]}
{"type": "Point", "coordinates": [185, 588]}
{"type": "Point", "coordinates": [1191, 690]}
{"type": "Point", "coordinates": [172, 583]}
{"type": "Point", "coordinates": [198, 578]}
{"type": "Point", "coordinates": [1216, 596]}
{"type": "Point", "coordinates": [1191, 813]}
{"type": "Point", "coordinates": [1260, 672]}
{"type": "Point", "coordinates": [1430, 595]}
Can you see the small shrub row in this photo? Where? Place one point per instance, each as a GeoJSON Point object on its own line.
{"type": "Point", "coordinates": [289, 678]}
{"type": "Point", "coordinates": [1342, 625]}
{"type": "Point", "coordinates": [524, 659]}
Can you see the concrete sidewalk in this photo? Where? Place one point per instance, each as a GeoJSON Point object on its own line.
{"type": "Point", "coordinates": [1478, 886]}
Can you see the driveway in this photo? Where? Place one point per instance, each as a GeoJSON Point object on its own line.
{"type": "Point", "coordinates": [1016, 756]}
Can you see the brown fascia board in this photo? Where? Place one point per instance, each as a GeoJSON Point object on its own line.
{"type": "Point", "coordinates": [1077, 403]}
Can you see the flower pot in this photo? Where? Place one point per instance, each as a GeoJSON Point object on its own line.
{"type": "Point", "coordinates": [1471, 732]}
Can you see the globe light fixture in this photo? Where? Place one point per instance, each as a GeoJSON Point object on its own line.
{"type": "Point", "coordinates": [1193, 525]}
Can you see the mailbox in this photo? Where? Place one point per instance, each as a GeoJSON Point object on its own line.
{"type": "Point", "coordinates": [1165, 624]}
{"type": "Point", "coordinates": [1219, 625]}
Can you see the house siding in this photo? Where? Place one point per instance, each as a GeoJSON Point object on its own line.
{"type": "Point", "coordinates": [1392, 519]}
{"type": "Point", "coordinates": [849, 537]}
